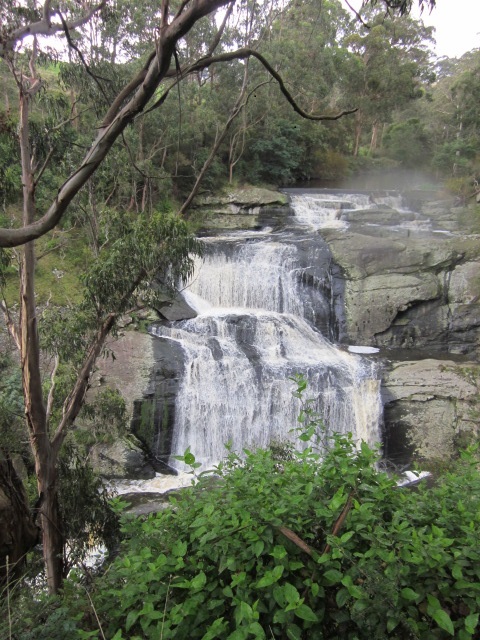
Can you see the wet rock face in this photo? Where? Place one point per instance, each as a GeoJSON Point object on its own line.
{"type": "Point", "coordinates": [123, 458]}
{"type": "Point", "coordinates": [154, 410]}
{"type": "Point", "coordinates": [243, 208]}
{"type": "Point", "coordinates": [419, 291]}
{"type": "Point", "coordinates": [431, 406]}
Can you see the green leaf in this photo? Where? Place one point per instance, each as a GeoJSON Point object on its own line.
{"type": "Point", "coordinates": [132, 617]}
{"type": "Point", "coordinates": [258, 548]}
{"type": "Point", "coordinates": [346, 536]}
{"type": "Point", "coordinates": [270, 577]}
{"type": "Point", "coordinates": [291, 594]}
{"type": "Point", "coordinates": [443, 620]}
{"type": "Point", "coordinates": [254, 628]}
{"type": "Point", "coordinates": [179, 549]}
{"type": "Point", "coordinates": [409, 594]}
{"type": "Point", "coordinates": [199, 581]}
{"type": "Point", "coordinates": [305, 613]}
{"type": "Point", "coordinates": [239, 634]}
{"type": "Point", "coordinates": [471, 622]}
{"type": "Point", "coordinates": [337, 500]}
{"type": "Point", "coordinates": [215, 630]}
{"type": "Point", "coordinates": [433, 603]}
{"type": "Point", "coordinates": [189, 458]}
{"type": "Point", "coordinates": [279, 552]}
{"type": "Point", "coordinates": [333, 576]}
{"type": "Point", "coordinates": [392, 623]}
{"type": "Point", "coordinates": [457, 572]}
{"type": "Point", "coordinates": [243, 611]}
{"type": "Point", "coordinates": [342, 597]}
{"type": "Point", "coordinates": [293, 632]}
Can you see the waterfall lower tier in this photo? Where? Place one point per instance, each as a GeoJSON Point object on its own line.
{"type": "Point", "coordinates": [236, 386]}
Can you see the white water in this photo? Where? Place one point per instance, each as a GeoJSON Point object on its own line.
{"type": "Point", "coordinates": [250, 336]}
{"type": "Point", "coordinates": [236, 385]}
{"type": "Point", "coordinates": [324, 210]}
{"type": "Point", "coordinates": [255, 275]}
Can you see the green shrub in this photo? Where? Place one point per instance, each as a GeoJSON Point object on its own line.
{"type": "Point", "coordinates": [295, 546]}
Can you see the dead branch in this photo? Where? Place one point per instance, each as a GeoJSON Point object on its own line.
{"type": "Point", "coordinates": [340, 520]}
{"type": "Point", "coordinates": [301, 544]}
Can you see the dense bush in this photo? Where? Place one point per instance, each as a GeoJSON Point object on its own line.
{"type": "Point", "coordinates": [288, 546]}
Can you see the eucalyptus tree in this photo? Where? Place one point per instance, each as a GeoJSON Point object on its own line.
{"type": "Point", "coordinates": [454, 115]}
{"type": "Point", "coordinates": [389, 67]}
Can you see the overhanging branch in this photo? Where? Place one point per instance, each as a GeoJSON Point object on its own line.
{"type": "Point", "coordinates": [121, 118]}
{"type": "Point", "coordinates": [246, 52]}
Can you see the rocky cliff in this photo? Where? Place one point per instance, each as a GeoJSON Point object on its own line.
{"type": "Point", "coordinates": [406, 281]}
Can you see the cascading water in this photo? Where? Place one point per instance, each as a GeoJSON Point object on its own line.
{"type": "Point", "coordinates": [261, 300]}
{"type": "Point", "coordinates": [326, 209]}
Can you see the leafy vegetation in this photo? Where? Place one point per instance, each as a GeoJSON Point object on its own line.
{"type": "Point", "coordinates": [110, 191]}
{"type": "Point", "coordinates": [288, 544]}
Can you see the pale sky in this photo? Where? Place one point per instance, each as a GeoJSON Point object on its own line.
{"type": "Point", "coordinates": [457, 24]}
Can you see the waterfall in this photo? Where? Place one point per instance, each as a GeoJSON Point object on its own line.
{"type": "Point", "coordinates": [319, 210]}
{"type": "Point", "coordinates": [264, 307]}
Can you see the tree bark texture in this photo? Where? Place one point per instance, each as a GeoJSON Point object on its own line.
{"type": "Point", "coordinates": [18, 532]}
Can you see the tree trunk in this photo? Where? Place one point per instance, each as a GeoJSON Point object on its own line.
{"type": "Point", "coordinates": [52, 535]}
{"type": "Point", "coordinates": [35, 410]}
{"type": "Point", "coordinates": [358, 134]}
{"type": "Point", "coordinates": [374, 139]}
{"type": "Point", "coordinates": [18, 533]}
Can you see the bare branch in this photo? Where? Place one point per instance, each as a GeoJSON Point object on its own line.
{"type": "Point", "coordinates": [182, 6]}
{"type": "Point", "coordinates": [218, 35]}
{"type": "Point", "coordinates": [246, 52]}
{"type": "Point", "coordinates": [237, 107]}
{"type": "Point", "coordinates": [44, 166]}
{"type": "Point", "coordinates": [73, 46]}
{"type": "Point", "coordinates": [45, 27]}
{"type": "Point", "coordinates": [357, 15]}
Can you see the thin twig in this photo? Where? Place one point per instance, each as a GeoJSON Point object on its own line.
{"type": "Point", "coordinates": [80, 55]}
{"type": "Point", "coordinates": [95, 612]}
{"type": "Point", "coordinates": [165, 608]}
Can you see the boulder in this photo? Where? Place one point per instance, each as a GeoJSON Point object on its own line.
{"type": "Point", "coordinates": [123, 458]}
{"type": "Point", "coordinates": [176, 309]}
{"type": "Point", "coordinates": [241, 208]}
{"type": "Point", "coordinates": [430, 406]}
{"type": "Point", "coordinates": [404, 291]}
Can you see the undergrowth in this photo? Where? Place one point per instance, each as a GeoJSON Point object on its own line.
{"type": "Point", "coordinates": [292, 546]}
